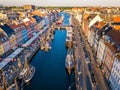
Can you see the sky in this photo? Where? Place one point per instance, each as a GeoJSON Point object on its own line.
{"type": "Point", "coordinates": [61, 2]}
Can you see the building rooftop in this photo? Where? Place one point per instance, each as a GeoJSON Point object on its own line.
{"type": "Point", "coordinates": [113, 47]}
{"type": "Point", "coordinates": [115, 35]}
{"type": "Point", "coordinates": [116, 18]}
{"type": "Point", "coordinates": [116, 22]}
{"type": "Point", "coordinates": [100, 24]}
{"type": "Point", "coordinates": [36, 12]}
{"type": "Point", "coordinates": [86, 15]}
{"type": "Point", "coordinates": [9, 31]}
{"type": "Point", "coordinates": [37, 18]}
{"type": "Point", "coordinates": [94, 20]}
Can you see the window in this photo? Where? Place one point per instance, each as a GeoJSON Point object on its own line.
{"type": "Point", "coordinates": [2, 39]}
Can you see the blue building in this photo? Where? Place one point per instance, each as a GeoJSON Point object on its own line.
{"type": "Point", "coordinates": [24, 33]}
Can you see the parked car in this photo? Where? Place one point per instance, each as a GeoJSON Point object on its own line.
{"type": "Point", "coordinates": [87, 60]}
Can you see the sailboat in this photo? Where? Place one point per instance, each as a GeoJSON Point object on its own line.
{"type": "Point", "coordinates": [30, 73]}
{"type": "Point", "coordinates": [24, 69]}
{"type": "Point", "coordinates": [69, 63]}
{"type": "Point", "coordinates": [27, 72]}
{"type": "Point", "coordinates": [47, 46]}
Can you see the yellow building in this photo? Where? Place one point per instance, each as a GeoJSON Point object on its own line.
{"type": "Point", "coordinates": [29, 7]}
{"type": "Point", "coordinates": [4, 43]}
{"type": "Point", "coordinates": [10, 34]}
{"type": "Point", "coordinates": [13, 42]}
{"type": "Point", "coordinates": [1, 48]}
{"type": "Point", "coordinates": [3, 16]}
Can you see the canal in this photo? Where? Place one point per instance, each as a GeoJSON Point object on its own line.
{"type": "Point", "coordinates": [51, 73]}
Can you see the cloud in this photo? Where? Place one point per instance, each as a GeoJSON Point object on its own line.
{"type": "Point", "coordinates": [62, 2]}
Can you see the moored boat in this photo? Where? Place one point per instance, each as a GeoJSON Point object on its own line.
{"type": "Point", "coordinates": [69, 63]}
{"type": "Point", "coordinates": [24, 69]}
{"type": "Point", "coordinates": [30, 74]}
{"type": "Point", "coordinates": [69, 40]}
{"type": "Point", "coordinates": [47, 46]}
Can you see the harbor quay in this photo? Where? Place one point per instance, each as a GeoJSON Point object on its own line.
{"type": "Point", "coordinates": [14, 64]}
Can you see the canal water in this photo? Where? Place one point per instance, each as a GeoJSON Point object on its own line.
{"type": "Point", "coordinates": [51, 73]}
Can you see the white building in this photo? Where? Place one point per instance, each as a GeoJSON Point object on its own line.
{"type": "Point", "coordinates": [91, 36]}
{"type": "Point", "coordinates": [94, 20]}
{"type": "Point", "coordinates": [101, 48]}
{"type": "Point", "coordinates": [93, 29]}
{"type": "Point", "coordinates": [115, 74]}
{"type": "Point", "coordinates": [79, 17]}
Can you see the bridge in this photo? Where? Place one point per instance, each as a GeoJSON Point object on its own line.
{"type": "Point", "coordinates": [62, 27]}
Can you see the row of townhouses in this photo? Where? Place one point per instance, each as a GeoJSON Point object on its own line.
{"type": "Point", "coordinates": [102, 31]}
{"type": "Point", "coordinates": [16, 28]}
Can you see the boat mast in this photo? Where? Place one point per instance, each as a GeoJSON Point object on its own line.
{"type": "Point", "coordinates": [26, 63]}
{"type": "Point", "coordinates": [4, 81]}
{"type": "Point", "coordinates": [17, 88]}
{"type": "Point", "coordinates": [19, 64]}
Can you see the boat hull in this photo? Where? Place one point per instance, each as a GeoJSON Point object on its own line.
{"type": "Point", "coordinates": [30, 74]}
{"type": "Point", "coordinates": [69, 69]}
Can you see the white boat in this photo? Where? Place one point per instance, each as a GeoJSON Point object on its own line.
{"type": "Point", "coordinates": [47, 46]}
{"type": "Point", "coordinates": [30, 74]}
{"type": "Point", "coordinates": [69, 38]}
{"type": "Point", "coordinates": [69, 63]}
{"type": "Point", "coordinates": [22, 73]}
{"type": "Point", "coordinates": [52, 37]}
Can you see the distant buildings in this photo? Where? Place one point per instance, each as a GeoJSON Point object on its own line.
{"type": "Point", "coordinates": [16, 28]}
{"type": "Point", "coordinates": [29, 7]}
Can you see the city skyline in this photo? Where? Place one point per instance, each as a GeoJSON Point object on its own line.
{"type": "Point", "coordinates": [61, 2]}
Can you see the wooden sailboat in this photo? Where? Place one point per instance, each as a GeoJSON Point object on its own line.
{"type": "Point", "coordinates": [69, 63]}
{"type": "Point", "coordinates": [23, 70]}
{"type": "Point", "coordinates": [30, 74]}
{"type": "Point", "coordinates": [29, 71]}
